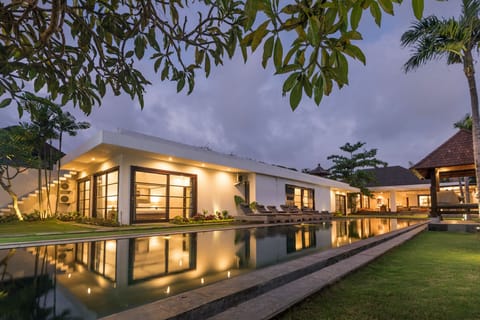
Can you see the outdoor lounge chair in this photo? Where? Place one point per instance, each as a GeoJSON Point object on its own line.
{"type": "Point", "coordinates": [275, 210]}
{"type": "Point", "coordinates": [279, 216]}
{"type": "Point", "coordinates": [251, 216]}
{"type": "Point", "coordinates": [313, 214]}
{"type": "Point", "coordinates": [296, 215]}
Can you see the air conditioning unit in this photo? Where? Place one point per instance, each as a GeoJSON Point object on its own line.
{"type": "Point", "coordinates": [64, 186]}
{"type": "Point", "coordinates": [65, 199]}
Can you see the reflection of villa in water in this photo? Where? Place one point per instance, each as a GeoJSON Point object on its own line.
{"type": "Point", "coordinates": [103, 277]}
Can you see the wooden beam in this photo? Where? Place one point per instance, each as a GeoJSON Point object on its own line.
{"type": "Point", "coordinates": [433, 191]}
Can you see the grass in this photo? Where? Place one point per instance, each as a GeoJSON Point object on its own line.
{"type": "Point", "coordinates": [45, 230]}
{"type": "Point", "coordinates": [434, 276]}
{"type": "Point", "coordinates": [50, 225]}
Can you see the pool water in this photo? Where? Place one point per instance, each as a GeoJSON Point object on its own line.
{"type": "Point", "coordinates": [87, 280]}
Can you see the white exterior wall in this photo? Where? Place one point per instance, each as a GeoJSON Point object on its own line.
{"type": "Point", "coordinates": [216, 173]}
{"type": "Point", "coordinates": [215, 189]}
{"type": "Point", "coordinates": [271, 191]}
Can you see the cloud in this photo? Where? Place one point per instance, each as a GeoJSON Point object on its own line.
{"type": "Point", "coordinates": [239, 109]}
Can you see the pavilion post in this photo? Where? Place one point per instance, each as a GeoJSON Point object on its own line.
{"type": "Point", "coordinates": [433, 192]}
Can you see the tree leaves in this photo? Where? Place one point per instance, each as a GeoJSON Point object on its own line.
{"type": "Point", "coordinates": [5, 102]}
{"type": "Point", "coordinates": [99, 44]}
{"type": "Point", "coordinates": [417, 6]}
{"type": "Point", "coordinates": [350, 168]}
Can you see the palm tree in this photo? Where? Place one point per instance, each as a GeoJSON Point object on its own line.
{"type": "Point", "coordinates": [42, 131]}
{"type": "Point", "coordinates": [465, 124]}
{"type": "Point", "coordinates": [455, 40]}
{"type": "Point", "coordinates": [65, 122]}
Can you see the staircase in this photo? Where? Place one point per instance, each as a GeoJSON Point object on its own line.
{"type": "Point", "coordinates": [28, 202]}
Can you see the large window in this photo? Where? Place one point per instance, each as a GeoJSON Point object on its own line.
{"type": "Point", "coordinates": [300, 197]}
{"type": "Point", "coordinates": [424, 200]}
{"type": "Point", "coordinates": [83, 204]}
{"type": "Point", "coordinates": [106, 194]}
{"type": "Point", "coordinates": [340, 203]}
{"type": "Point", "coordinates": [162, 195]}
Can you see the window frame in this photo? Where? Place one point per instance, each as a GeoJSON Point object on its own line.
{"type": "Point", "coordinates": [302, 195]}
{"type": "Point", "coordinates": [79, 182]}
{"type": "Point", "coordinates": [95, 188]}
{"type": "Point", "coordinates": [133, 182]}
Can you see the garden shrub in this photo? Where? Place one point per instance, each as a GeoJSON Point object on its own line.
{"type": "Point", "coordinates": [198, 217]}
{"type": "Point", "coordinates": [8, 218]}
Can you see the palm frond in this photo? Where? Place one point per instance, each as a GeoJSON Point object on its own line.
{"type": "Point", "coordinates": [470, 11]}
{"type": "Point", "coordinates": [419, 30]}
{"type": "Point", "coordinates": [432, 39]}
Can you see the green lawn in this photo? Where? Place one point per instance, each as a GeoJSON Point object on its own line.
{"type": "Point", "coordinates": [434, 276]}
{"type": "Point", "coordinates": [44, 226]}
{"type": "Point", "coordinates": [15, 232]}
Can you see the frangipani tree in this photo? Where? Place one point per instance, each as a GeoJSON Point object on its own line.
{"type": "Point", "coordinates": [456, 40]}
{"type": "Point", "coordinates": [16, 156]}
{"type": "Point", "coordinates": [77, 51]}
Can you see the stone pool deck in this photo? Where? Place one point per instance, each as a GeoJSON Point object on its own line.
{"type": "Point", "coordinates": [264, 293]}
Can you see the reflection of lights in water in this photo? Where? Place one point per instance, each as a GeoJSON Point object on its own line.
{"type": "Point", "coordinates": [167, 291]}
{"type": "Point", "coordinates": [69, 275]}
{"type": "Point", "coordinates": [89, 291]}
{"type": "Point", "coordinates": [228, 274]}
{"type": "Point", "coordinates": [111, 245]}
{"type": "Point", "coordinates": [202, 281]}
{"type": "Point", "coordinates": [154, 243]}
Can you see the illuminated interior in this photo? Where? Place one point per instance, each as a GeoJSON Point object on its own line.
{"type": "Point", "coordinates": [106, 199]}
{"type": "Point", "coordinates": [162, 195]}
{"type": "Point", "coordinates": [299, 196]}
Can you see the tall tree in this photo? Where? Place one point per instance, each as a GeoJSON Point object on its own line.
{"type": "Point", "coordinates": [41, 132]}
{"type": "Point", "coordinates": [465, 123]}
{"type": "Point", "coordinates": [456, 40]}
{"type": "Point", "coordinates": [16, 156]}
{"type": "Point", "coordinates": [65, 123]}
{"type": "Point", "coordinates": [77, 50]}
{"type": "Point", "coordinates": [349, 168]}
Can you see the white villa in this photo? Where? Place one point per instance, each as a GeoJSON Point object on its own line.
{"type": "Point", "coordinates": [137, 178]}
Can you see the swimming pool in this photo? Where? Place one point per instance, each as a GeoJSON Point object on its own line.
{"type": "Point", "coordinates": [97, 278]}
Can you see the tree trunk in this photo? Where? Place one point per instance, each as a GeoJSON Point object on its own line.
{"type": "Point", "coordinates": [460, 186]}
{"type": "Point", "coordinates": [40, 196]}
{"type": "Point", "coordinates": [467, 190]}
{"type": "Point", "coordinates": [13, 195]}
{"type": "Point", "coordinates": [470, 74]}
{"type": "Point", "coordinates": [59, 163]}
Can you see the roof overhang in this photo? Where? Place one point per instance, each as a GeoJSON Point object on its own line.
{"type": "Point", "coordinates": [107, 145]}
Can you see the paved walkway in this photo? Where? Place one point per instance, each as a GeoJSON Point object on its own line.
{"type": "Point", "coordinates": [267, 292]}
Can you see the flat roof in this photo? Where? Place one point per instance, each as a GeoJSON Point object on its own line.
{"type": "Point", "coordinates": [105, 144]}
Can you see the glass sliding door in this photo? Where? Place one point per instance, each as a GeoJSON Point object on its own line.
{"type": "Point", "coordinates": [161, 195]}
{"type": "Point", "coordinates": [341, 204]}
{"type": "Point", "coordinates": [150, 196]}
{"type": "Point", "coordinates": [299, 197]}
{"type": "Point", "coordinates": [180, 196]}
{"type": "Point", "coordinates": [106, 194]}
{"type": "Point", "coordinates": [83, 204]}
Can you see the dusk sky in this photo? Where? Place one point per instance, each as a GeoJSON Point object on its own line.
{"type": "Point", "coordinates": [239, 109]}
